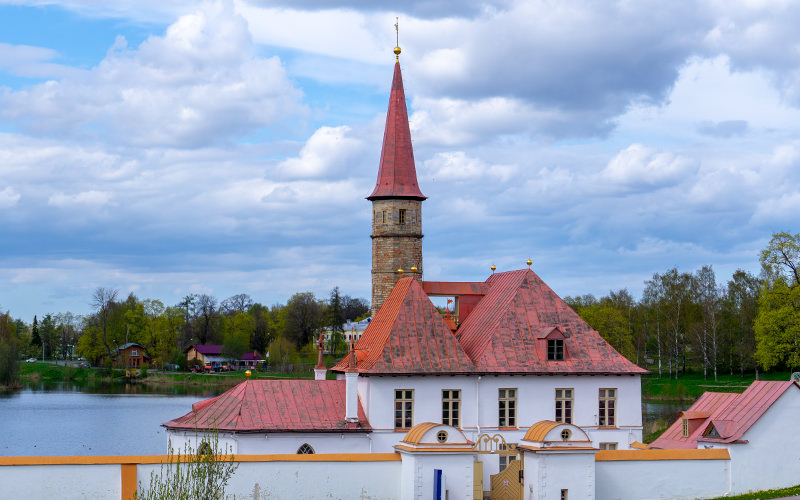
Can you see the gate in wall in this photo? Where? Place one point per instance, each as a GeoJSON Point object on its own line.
{"type": "Point", "coordinates": [507, 484]}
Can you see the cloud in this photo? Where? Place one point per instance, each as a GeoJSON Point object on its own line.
{"type": "Point", "coordinates": [87, 198]}
{"type": "Point", "coordinates": [9, 197]}
{"type": "Point", "coordinates": [638, 166]}
{"type": "Point", "coordinates": [724, 129]}
{"type": "Point", "coordinates": [201, 83]}
{"type": "Point", "coordinates": [326, 154]}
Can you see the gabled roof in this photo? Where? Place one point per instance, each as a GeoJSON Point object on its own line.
{"type": "Point", "coordinates": [730, 414]}
{"type": "Point", "coordinates": [503, 333]}
{"type": "Point", "coordinates": [408, 336]}
{"type": "Point", "coordinates": [251, 356]}
{"type": "Point", "coordinates": [397, 175]}
{"type": "Point", "coordinates": [274, 406]}
{"type": "Point", "coordinates": [212, 350]}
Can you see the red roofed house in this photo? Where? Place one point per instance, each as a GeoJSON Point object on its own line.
{"type": "Point", "coordinates": [511, 354]}
{"type": "Point", "coordinates": [756, 426]}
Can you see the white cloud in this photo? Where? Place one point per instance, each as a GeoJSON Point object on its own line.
{"type": "Point", "coordinates": [326, 153]}
{"type": "Point", "coordinates": [87, 198]}
{"type": "Point", "coordinates": [200, 83]}
{"type": "Point", "coordinates": [637, 166]}
{"type": "Point", "coordinates": [9, 197]}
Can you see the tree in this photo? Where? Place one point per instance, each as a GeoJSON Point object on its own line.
{"type": "Point", "coordinates": [238, 303]}
{"type": "Point", "coordinates": [9, 352]}
{"type": "Point", "coordinates": [207, 314]}
{"type": "Point", "coordinates": [49, 336]}
{"type": "Point", "coordinates": [740, 306]}
{"type": "Point", "coordinates": [777, 325]}
{"type": "Point", "coordinates": [103, 301]}
{"type": "Point", "coordinates": [334, 321]}
{"type": "Point", "coordinates": [36, 339]}
{"type": "Point", "coordinates": [354, 309]}
{"type": "Point", "coordinates": [709, 297]}
{"type": "Point", "coordinates": [303, 315]}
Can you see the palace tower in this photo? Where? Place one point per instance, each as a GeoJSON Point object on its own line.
{"type": "Point", "coordinates": [396, 202]}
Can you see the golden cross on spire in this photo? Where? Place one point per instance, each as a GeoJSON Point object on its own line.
{"type": "Point", "coordinates": [397, 33]}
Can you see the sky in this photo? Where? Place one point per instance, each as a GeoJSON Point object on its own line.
{"type": "Point", "coordinates": [173, 147]}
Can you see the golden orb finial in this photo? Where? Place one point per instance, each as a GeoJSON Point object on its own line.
{"type": "Point", "coordinates": [529, 262]}
{"type": "Point", "coordinates": [494, 268]}
{"type": "Point", "coordinates": [248, 373]}
{"type": "Point", "coordinates": [399, 270]}
{"type": "Point", "coordinates": [413, 269]}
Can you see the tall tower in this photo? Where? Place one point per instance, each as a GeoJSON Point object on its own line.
{"type": "Point", "coordinates": [396, 202]}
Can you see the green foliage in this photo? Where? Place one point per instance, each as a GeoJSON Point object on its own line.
{"type": "Point", "coordinates": [303, 317]}
{"type": "Point", "coordinates": [9, 352]}
{"type": "Point", "coordinates": [200, 474]}
{"type": "Point", "coordinates": [612, 326]}
{"type": "Point", "coordinates": [765, 494]}
{"type": "Point", "coordinates": [777, 324]}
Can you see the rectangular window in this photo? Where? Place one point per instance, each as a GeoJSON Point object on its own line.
{"type": "Point", "coordinates": [383, 217]}
{"type": "Point", "coordinates": [608, 446]}
{"type": "Point", "coordinates": [564, 494]}
{"type": "Point", "coordinates": [555, 349]}
{"type": "Point", "coordinates": [505, 460]}
{"type": "Point", "coordinates": [401, 218]}
{"type": "Point", "coordinates": [685, 427]}
{"type": "Point", "coordinates": [451, 407]}
{"type": "Point", "coordinates": [507, 408]}
{"type": "Point", "coordinates": [403, 408]}
{"type": "Point", "coordinates": [607, 415]}
{"type": "Point", "coordinates": [564, 406]}
{"type": "Point", "coordinates": [134, 352]}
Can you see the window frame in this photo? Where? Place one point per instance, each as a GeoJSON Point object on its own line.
{"type": "Point", "coordinates": [307, 446]}
{"type": "Point", "coordinates": [555, 350]}
{"type": "Point", "coordinates": [507, 413]}
{"type": "Point", "coordinates": [404, 413]}
{"type": "Point", "coordinates": [609, 446]}
{"type": "Point", "coordinates": [560, 401]}
{"type": "Point", "coordinates": [453, 397]}
{"type": "Point", "coordinates": [685, 427]}
{"type": "Point", "coordinates": [607, 413]}
{"type": "Point", "coordinates": [401, 216]}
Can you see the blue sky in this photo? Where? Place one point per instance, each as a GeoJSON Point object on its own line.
{"type": "Point", "coordinates": [168, 148]}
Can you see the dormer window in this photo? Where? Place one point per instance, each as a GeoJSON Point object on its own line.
{"type": "Point", "coordinates": [685, 427]}
{"type": "Point", "coordinates": [555, 349]}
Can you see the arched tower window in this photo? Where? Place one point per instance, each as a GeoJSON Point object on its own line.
{"type": "Point", "coordinates": [305, 449]}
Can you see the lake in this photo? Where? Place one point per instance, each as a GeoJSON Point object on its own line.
{"type": "Point", "coordinates": [64, 419]}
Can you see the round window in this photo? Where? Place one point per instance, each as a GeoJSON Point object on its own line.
{"type": "Point", "coordinates": [565, 435]}
{"type": "Point", "coordinates": [441, 436]}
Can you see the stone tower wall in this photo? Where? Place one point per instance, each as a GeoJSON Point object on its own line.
{"type": "Point", "coordinates": [396, 244]}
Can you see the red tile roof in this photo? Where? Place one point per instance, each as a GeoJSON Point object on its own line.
{"type": "Point", "coordinates": [397, 175]}
{"type": "Point", "coordinates": [502, 334]}
{"type": "Point", "coordinates": [730, 414]}
{"type": "Point", "coordinates": [274, 406]}
{"type": "Point", "coordinates": [408, 335]}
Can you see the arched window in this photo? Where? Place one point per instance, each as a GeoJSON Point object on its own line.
{"type": "Point", "coordinates": [305, 449]}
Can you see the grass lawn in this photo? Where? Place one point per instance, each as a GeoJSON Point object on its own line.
{"type": "Point", "coordinates": [762, 495]}
{"type": "Point", "coordinates": [690, 386]}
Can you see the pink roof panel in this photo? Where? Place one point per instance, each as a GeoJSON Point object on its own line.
{"type": "Point", "coordinates": [274, 406]}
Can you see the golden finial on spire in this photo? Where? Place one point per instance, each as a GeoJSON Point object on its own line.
{"type": "Point", "coordinates": [397, 33]}
{"type": "Point", "coordinates": [529, 262]}
{"type": "Point", "coordinates": [494, 268]}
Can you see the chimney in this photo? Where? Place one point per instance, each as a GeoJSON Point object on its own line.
{"type": "Point", "coordinates": [320, 371]}
{"type": "Point", "coordinates": [351, 387]}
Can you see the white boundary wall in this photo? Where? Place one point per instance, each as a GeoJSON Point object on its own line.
{"type": "Point", "coordinates": [655, 477]}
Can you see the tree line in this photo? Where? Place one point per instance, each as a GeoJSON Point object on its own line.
{"type": "Point", "coordinates": [238, 323]}
{"type": "Point", "coordinates": [684, 321]}
{"type": "Point", "coordinates": [688, 321]}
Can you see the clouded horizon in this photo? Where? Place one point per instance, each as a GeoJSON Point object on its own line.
{"type": "Point", "coordinates": [168, 148]}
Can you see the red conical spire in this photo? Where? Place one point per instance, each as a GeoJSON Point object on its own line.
{"type": "Point", "coordinates": [397, 176]}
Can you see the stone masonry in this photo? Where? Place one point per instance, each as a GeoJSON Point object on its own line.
{"type": "Point", "coordinates": [396, 244]}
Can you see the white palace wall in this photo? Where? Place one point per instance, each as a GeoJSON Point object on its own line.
{"type": "Point", "coordinates": [616, 475]}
